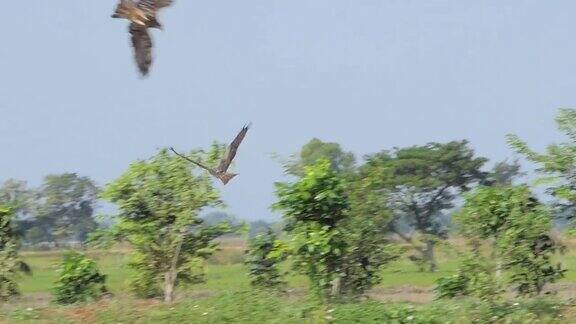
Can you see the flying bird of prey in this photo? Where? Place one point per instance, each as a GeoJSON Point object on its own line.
{"type": "Point", "coordinates": [220, 171]}
{"type": "Point", "coordinates": [142, 15]}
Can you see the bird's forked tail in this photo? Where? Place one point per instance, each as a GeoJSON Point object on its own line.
{"type": "Point", "coordinates": [226, 177]}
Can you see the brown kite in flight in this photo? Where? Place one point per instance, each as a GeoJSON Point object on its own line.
{"type": "Point", "coordinates": [220, 171]}
{"type": "Point", "coordinates": [142, 15]}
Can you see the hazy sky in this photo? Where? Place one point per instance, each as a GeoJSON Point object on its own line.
{"type": "Point", "coordinates": [369, 74]}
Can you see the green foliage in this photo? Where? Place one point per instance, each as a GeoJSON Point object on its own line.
{"type": "Point", "coordinates": [368, 247]}
{"type": "Point", "coordinates": [475, 277]}
{"type": "Point", "coordinates": [519, 227]}
{"type": "Point", "coordinates": [79, 280]}
{"type": "Point", "coordinates": [313, 208]}
{"type": "Point", "coordinates": [10, 263]}
{"type": "Point", "coordinates": [503, 174]}
{"type": "Point", "coordinates": [17, 195]}
{"type": "Point", "coordinates": [527, 251]}
{"type": "Point", "coordinates": [559, 160]}
{"type": "Point", "coordinates": [263, 258]}
{"type": "Point", "coordinates": [65, 208]}
{"type": "Point", "coordinates": [420, 182]}
{"type": "Point", "coordinates": [487, 210]}
{"type": "Point", "coordinates": [316, 150]}
{"type": "Point", "coordinates": [265, 307]}
{"type": "Point", "coordinates": [160, 200]}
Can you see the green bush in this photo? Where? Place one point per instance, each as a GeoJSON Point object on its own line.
{"type": "Point", "coordinates": [263, 258]}
{"type": "Point", "coordinates": [78, 280]}
{"type": "Point", "coordinates": [10, 263]}
{"type": "Point", "coordinates": [474, 278]}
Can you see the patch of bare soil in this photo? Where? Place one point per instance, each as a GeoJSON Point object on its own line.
{"type": "Point", "coordinates": [32, 300]}
{"type": "Point", "coordinates": [421, 295]}
{"type": "Point", "coordinates": [410, 294]}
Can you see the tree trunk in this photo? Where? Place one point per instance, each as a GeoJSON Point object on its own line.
{"type": "Point", "coordinates": [496, 256]}
{"type": "Point", "coordinates": [498, 269]}
{"type": "Point", "coordinates": [172, 273]}
{"type": "Point", "coordinates": [429, 255]}
{"type": "Point", "coordinates": [336, 286]}
{"type": "Point", "coordinates": [169, 281]}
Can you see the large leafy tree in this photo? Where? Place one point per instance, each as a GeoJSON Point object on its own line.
{"type": "Point", "coordinates": [10, 263]}
{"type": "Point", "coordinates": [315, 150]}
{"type": "Point", "coordinates": [314, 207]}
{"type": "Point", "coordinates": [17, 195]}
{"type": "Point", "coordinates": [160, 200]}
{"type": "Point", "coordinates": [65, 207]}
{"type": "Point", "coordinates": [420, 184]}
{"type": "Point", "coordinates": [21, 199]}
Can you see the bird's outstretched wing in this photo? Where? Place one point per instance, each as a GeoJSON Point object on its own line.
{"type": "Point", "coordinates": [152, 6]}
{"type": "Point", "coordinates": [124, 8]}
{"type": "Point", "coordinates": [142, 43]}
{"type": "Point", "coordinates": [190, 160]}
{"type": "Point", "coordinates": [232, 149]}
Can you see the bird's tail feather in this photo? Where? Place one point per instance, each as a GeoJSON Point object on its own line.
{"type": "Point", "coordinates": [226, 177]}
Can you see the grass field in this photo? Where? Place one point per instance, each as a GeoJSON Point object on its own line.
{"type": "Point", "coordinates": [226, 295]}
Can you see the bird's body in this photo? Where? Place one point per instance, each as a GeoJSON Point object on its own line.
{"type": "Point", "coordinates": [221, 171]}
{"type": "Point", "coordinates": [142, 15]}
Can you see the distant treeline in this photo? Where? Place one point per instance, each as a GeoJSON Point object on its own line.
{"type": "Point", "coordinates": [62, 211]}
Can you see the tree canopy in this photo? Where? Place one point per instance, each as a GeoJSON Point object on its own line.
{"type": "Point", "coordinates": [159, 201]}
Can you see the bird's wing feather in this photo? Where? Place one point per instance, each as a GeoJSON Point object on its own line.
{"type": "Point", "coordinates": [152, 6]}
{"type": "Point", "coordinates": [232, 149]}
{"type": "Point", "coordinates": [123, 9]}
{"type": "Point", "coordinates": [190, 160]}
{"type": "Point", "coordinates": [142, 43]}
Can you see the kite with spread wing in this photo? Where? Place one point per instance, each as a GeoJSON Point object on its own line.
{"type": "Point", "coordinates": [142, 15]}
{"type": "Point", "coordinates": [220, 171]}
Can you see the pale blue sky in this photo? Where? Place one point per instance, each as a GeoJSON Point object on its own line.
{"type": "Point", "coordinates": [369, 74]}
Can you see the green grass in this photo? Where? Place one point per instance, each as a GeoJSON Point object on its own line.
{"type": "Point", "coordinates": [226, 275]}
{"type": "Point", "coordinates": [259, 307]}
{"type": "Point", "coordinates": [226, 296]}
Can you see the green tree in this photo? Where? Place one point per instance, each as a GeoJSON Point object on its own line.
{"type": "Point", "coordinates": [79, 280]}
{"type": "Point", "coordinates": [368, 246]}
{"type": "Point", "coordinates": [21, 199]}
{"type": "Point", "coordinates": [18, 196]}
{"type": "Point", "coordinates": [159, 201]}
{"type": "Point", "coordinates": [66, 204]}
{"type": "Point", "coordinates": [420, 183]}
{"type": "Point", "coordinates": [504, 173]}
{"type": "Point", "coordinates": [315, 150]}
{"type": "Point", "coordinates": [557, 164]}
{"type": "Point", "coordinates": [518, 226]}
{"type": "Point", "coordinates": [10, 263]}
{"type": "Point", "coordinates": [264, 255]}
{"type": "Point", "coordinates": [313, 209]}
{"type": "Point", "coordinates": [259, 227]}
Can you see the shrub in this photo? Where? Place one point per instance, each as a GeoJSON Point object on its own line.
{"type": "Point", "coordinates": [474, 278]}
{"type": "Point", "coordinates": [263, 257]}
{"type": "Point", "coordinates": [10, 263]}
{"type": "Point", "coordinates": [78, 280]}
